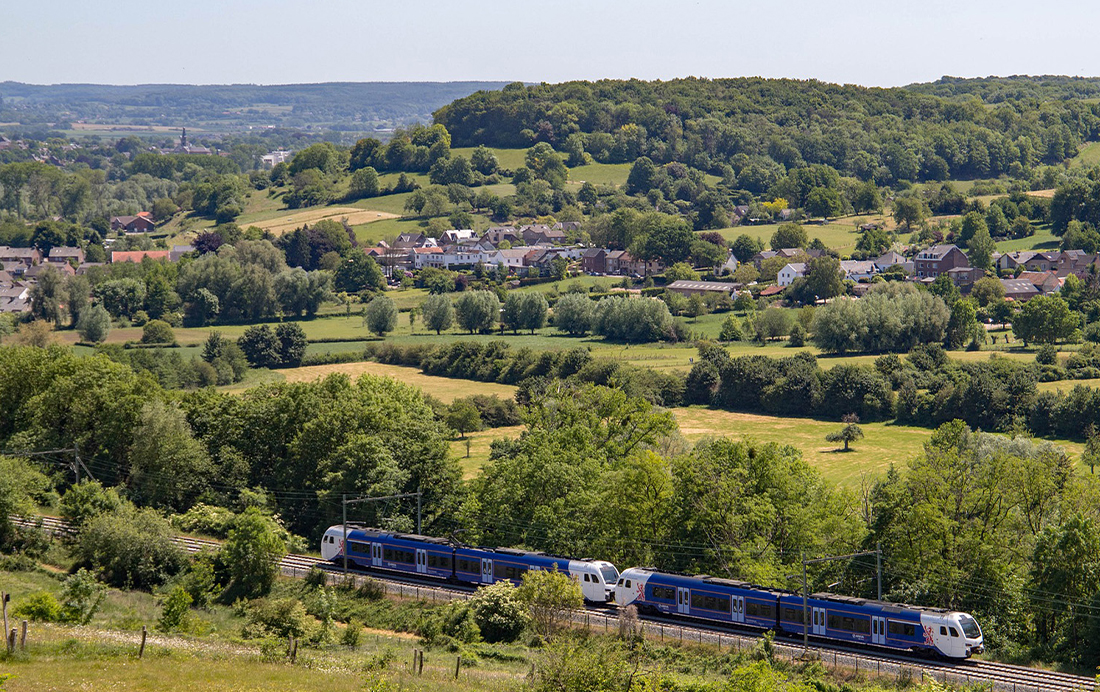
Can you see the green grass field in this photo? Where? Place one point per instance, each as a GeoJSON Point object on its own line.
{"type": "Point", "coordinates": [1042, 240]}
{"type": "Point", "coordinates": [839, 234]}
{"type": "Point", "coordinates": [1088, 155]}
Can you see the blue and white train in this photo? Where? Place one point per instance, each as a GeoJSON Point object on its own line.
{"type": "Point", "coordinates": [831, 617]}
{"type": "Point", "coordinates": [438, 558]}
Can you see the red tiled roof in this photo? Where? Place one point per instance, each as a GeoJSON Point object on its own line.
{"type": "Point", "coordinates": [138, 255]}
{"type": "Point", "coordinates": [772, 290]}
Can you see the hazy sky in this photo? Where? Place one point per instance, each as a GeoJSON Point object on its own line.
{"type": "Point", "coordinates": [881, 43]}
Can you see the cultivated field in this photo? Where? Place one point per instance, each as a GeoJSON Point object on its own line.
{"type": "Point", "coordinates": [291, 221]}
{"type": "Point", "coordinates": [443, 388]}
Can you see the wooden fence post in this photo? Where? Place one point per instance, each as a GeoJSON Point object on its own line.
{"type": "Point", "coordinates": [11, 640]}
{"type": "Point", "coordinates": [4, 599]}
{"type": "Point", "coordinates": [420, 669]}
{"type": "Point", "coordinates": [458, 664]}
{"type": "Point", "coordinates": [23, 637]}
{"type": "Point", "coordinates": [144, 634]}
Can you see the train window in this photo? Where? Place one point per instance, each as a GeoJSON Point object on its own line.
{"type": "Point", "coordinates": [628, 583]}
{"type": "Point", "coordinates": [901, 629]}
{"type": "Point", "coordinates": [793, 615]}
{"type": "Point", "coordinates": [357, 547]}
{"type": "Point", "coordinates": [508, 571]}
{"type": "Point", "coordinates": [439, 561]}
{"type": "Point", "coordinates": [954, 632]}
{"type": "Point", "coordinates": [943, 630]}
{"type": "Point", "coordinates": [470, 566]}
{"type": "Point", "coordinates": [664, 593]}
{"type": "Point", "coordinates": [760, 610]}
{"type": "Point", "coordinates": [874, 626]}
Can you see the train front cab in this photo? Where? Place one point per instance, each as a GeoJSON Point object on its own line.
{"type": "Point", "coordinates": [489, 565]}
{"type": "Point", "coordinates": [952, 634]}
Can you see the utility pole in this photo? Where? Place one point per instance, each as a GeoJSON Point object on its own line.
{"type": "Point", "coordinates": [877, 552]}
{"type": "Point", "coordinates": [805, 607]}
{"type": "Point", "coordinates": [75, 465]}
{"type": "Point", "coordinates": [344, 502]}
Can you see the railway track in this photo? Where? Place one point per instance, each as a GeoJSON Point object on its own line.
{"type": "Point", "coordinates": [999, 676]}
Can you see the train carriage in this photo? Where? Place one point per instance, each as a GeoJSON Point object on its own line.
{"type": "Point", "coordinates": [710, 598]}
{"type": "Point", "coordinates": [439, 558]}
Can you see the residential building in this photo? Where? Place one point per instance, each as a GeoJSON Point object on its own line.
{"type": "Point", "coordinates": [858, 270]}
{"type": "Point", "coordinates": [790, 272]}
{"type": "Point", "coordinates": [16, 260]}
{"type": "Point", "coordinates": [727, 267]}
{"type": "Point", "coordinates": [498, 234]}
{"type": "Point", "coordinates": [933, 261]}
{"type": "Point", "coordinates": [594, 261]}
{"type": "Point", "coordinates": [964, 277]}
{"type": "Point", "coordinates": [142, 222]}
{"type": "Point", "coordinates": [65, 255]}
{"type": "Point", "coordinates": [1019, 290]}
{"type": "Point", "coordinates": [1046, 282]}
{"type": "Point", "coordinates": [457, 236]}
{"type": "Point", "coordinates": [274, 158]}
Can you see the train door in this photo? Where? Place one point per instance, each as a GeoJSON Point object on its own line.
{"type": "Point", "coordinates": [819, 621]}
{"type": "Point", "coordinates": [682, 600]}
{"type": "Point", "coordinates": [421, 561]}
{"type": "Point", "coordinates": [376, 554]}
{"type": "Point", "coordinates": [486, 571]}
{"type": "Point", "coordinates": [878, 630]}
{"type": "Point", "coordinates": [737, 603]}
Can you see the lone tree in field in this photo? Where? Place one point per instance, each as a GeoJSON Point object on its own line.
{"type": "Point", "coordinates": [849, 433]}
{"type": "Point", "coordinates": [381, 315]}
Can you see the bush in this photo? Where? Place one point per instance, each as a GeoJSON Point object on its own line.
{"type": "Point", "coordinates": [157, 332]}
{"type": "Point", "coordinates": [174, 611]}
{"type": "Point", "coordinates": [255, 545]}
{"type": "Point", "coordinates": [350, 637]}
{"type": "Point", "coordinates": [279, 618]}
{"type": "Point", "coordinates": [130, 548]}
{"type": "Point", "coordinates": [1047, 355]}
{"type": "Point", "coordinates": [41, 606]}
{"type": "Point", "coordinates": [498, 613]}
{"type": "Point", "coordinates": [209, 520]}
{"type": "Point", "coordinates": [81, 596]}
{"type": "Point", "coordinates": [86, 501]}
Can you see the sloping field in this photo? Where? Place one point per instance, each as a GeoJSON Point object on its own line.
{"type": "Point", "coordinates": [288, 222]}
{"type": "Point", "coordinates": [443, 388]}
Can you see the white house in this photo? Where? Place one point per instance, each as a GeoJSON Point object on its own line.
{"type": "Point", "coordinates": [457, 236]}
{"type": "Point", "coordinates": [790, 272]}
{"type": "Point", "coordinates": [274, 158]}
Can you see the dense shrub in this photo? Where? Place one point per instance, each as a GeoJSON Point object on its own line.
{"type": "Point", "coordinates": [130, 548]}
{"type": "Point", "coordinates": [635, 320]}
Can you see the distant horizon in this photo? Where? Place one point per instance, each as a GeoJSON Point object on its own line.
{"type": "Point", "coordinates": [533, 82]}
{"type": "Point", "coordinates": [275, 42]}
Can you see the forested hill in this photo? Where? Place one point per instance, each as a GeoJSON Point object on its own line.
{"type": "Point", "coordinates": [764, 124]}
{"type": "Point", "coordinates": [1013, 88]}
{"type": "Point", "coordinates": [335, 105]}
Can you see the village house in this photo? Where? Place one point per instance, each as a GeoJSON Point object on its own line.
{"type": "Point", "coordinates": [457, 236]}
{"type": "Point", "coordinates": [933, 261]}
{"type": "Point", "coordinates": [964, 277]}
{"type": "Point", "coordinates": [1046, 282]}
{"type": "Point", "coordinates": [790, 272]}
{"type": "Point", "coordinates": [16, 260]}
{"type": "Point", "coordinates": [64, 255]}
{"type": "Point", "coordinates": [1019, 290]}
{"type": "Point", "coordinates": [594, 261]}
{"type": "Point", "coordinates": [142, 222]}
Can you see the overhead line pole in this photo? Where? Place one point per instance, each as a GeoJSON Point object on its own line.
{"type": "Point", "coordinates": [877, 552]}
{"type": "Point", "coordinates": [344, 502]}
